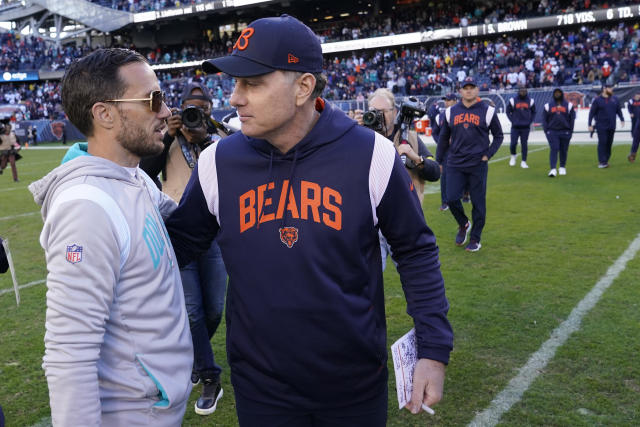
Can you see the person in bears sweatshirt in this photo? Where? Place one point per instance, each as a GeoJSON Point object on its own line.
{"type": "Point", "coordinates": [295, 201]}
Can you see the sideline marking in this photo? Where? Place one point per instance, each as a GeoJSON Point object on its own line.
{"type": "Point", "coordinates": [19, 215]}
{"type": "Point", "coordinates": [26, 285]}
{"type": "Point", "coordinates": [12, 189]}
{"type": "Point", "coordinates": [432, 188]}
{"type": "Point", "coordinates": [513, 392]}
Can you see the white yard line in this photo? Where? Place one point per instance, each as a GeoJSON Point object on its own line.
{"type": "Point", "coordinates": [499, 159]}
{"type": "Point", "coordinates": [539, 360]}
{"type": "Point", "coordinates": [3, 218]}
{"type": "Point", "coordinates": [2, 190]}
{"type": "Point", "coordinates": [26, 285]}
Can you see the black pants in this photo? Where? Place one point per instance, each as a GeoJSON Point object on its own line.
{"type": "Point", "coordinates": [605, 141]}
{"type": "Point", "coordinates": [475, 179]}
{"type": "Point", "coordinates": [523, 134]}
{"type": "Point", "coordinates": [558, 143]}
{"type": "Point", "coordinates": [368, 414]}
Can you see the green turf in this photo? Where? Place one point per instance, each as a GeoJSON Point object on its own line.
{"type": "Point", "coordinates": [545, 245]}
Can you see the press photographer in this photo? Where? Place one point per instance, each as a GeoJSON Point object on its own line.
{"type": "Point", "coordinates": [190, 130]}
{"type": "Point", "coordinates": [385, 118]}
{"type": "Point", "coordinates": [9, 148]}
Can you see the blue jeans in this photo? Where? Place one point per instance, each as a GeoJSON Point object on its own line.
{"type": "Point", "coordinates": [204, 282]}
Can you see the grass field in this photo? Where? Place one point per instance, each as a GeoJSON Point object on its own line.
{"type": "Point", "coordinates": [546, 243]}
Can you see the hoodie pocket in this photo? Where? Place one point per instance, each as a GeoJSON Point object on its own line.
{"type": "Point", "coordinates": [163, 399]}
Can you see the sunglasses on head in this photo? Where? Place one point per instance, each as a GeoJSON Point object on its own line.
{"type": "Point", "coordinates": [156, 99]}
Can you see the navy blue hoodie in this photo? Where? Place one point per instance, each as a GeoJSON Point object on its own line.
{"type": "Point", "coordinates": [558, 117]}
{"type": "Point", "coordinates": [633, 107]}
{"type": "Point", "coordinates": [604, 111]}
{"type": "Point", "coordinates": [521, 111]}
{"type": "Point", "coordinates": [465, 134]}
{"type": "Point", "coordinates": [299, 238]}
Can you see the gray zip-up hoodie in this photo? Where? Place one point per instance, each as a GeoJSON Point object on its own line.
{"type": "Point", "coordinates": [117, 333]}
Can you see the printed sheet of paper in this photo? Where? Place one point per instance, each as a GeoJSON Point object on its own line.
{"type": "Point", "coordinates": [404, 354]}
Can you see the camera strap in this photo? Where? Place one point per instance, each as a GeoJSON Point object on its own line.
{"type": "Point", "coordinates": [186, 152]}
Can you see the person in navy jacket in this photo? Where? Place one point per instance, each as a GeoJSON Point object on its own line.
{"type": "Point", "coordinates": [604, 110]}
{"type": "Point", "coordinates": [464, 139]}
{"type": "Point", "coordinates": [633, 106]}
{"type": "Point", "coordinates": [449, 100]}
{"type": "Point", "coordinates": [521, 110]}
{"type": "Point", "coordinates": [558, 119]}
{"type": "Point", "coordinates": [295, 200]}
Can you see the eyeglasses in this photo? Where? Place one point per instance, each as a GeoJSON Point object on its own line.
{"type": "Point", "coordinates": [156, 100]}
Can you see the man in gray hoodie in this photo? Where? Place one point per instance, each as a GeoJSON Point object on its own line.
{"type": "Point", "coordinates": [117, 344]}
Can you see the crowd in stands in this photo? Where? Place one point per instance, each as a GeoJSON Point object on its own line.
{"type": "Point", "coordinates": [421, 16]}
{"type": "Point", "coordinates": [537, 59]}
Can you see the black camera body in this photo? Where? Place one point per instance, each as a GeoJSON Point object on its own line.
{"type": "Point", "coordinates": [374, 119]}
{"type": "Point", "coordinates": [193, 117]}
{"type": "Point", "coordinates": [410, 110]}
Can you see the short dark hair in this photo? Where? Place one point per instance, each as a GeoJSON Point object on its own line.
{"type": "Point", "coordinates": [94, 78]}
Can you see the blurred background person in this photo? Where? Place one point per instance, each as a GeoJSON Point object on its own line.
{"type": "Point", "coordinates": [521, 110]}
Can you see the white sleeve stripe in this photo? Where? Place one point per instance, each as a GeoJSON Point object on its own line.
{"type": "Point", "coordinates": [570, 106]}
{"type": "Point", "coordinates": [153, 188]}
{"type": "Point", "coordinates": [512, 102]}
{"type": "Point", "coordinates": [208, 177]}
{"type": "Point", "coordinates": [382, 161]}
{"type": "Point", "coordinates": [532, 102]}
{"type": "Point", "coordinates": [490, 112]}
{"type": "Point", "coordinates": [546, 107]}
{"type": "Point", "coordinates": [106, 202]}
{"type": "Point", "coordinates": [447, 114]}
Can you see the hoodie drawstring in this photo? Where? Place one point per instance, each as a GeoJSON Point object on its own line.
{"type": "Point", "coordinates": [269, 176]}
{"type": "Point", "coordinates": [291, 172]}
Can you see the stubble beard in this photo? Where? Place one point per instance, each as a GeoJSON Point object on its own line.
{"type": "Point", "coordinates": [136, 140]}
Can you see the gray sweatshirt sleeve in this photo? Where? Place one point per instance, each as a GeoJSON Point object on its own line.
{"type": "Point", "coordinates": [83, 260]}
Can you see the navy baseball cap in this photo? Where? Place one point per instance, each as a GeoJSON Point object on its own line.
{"type": "Point", "coordinates": [188, 89]}
{"type": "Point", "coordinates": [450, 97]}
{"type": "Point", "coordinates": [469, 81]}
{"type": "Point", "coordinates": [269, 44]}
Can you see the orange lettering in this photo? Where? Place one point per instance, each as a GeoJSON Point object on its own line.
{"type": "Point", "coordinates": [291, 206]}
{"type": "Point", "coordinates": [312, 202]}
{"type": "Point", "coordinates": [327, 195]}
{"type": "Point", "coordinates": [247, 207]}
{"type": "Point", "coordinates": [243, 41]}
{"type": "Point", "coordinates": [283, 199]}
{"type": "Point", "coordinates": [267, 202]}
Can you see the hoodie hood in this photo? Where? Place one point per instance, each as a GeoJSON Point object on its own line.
{"type": "Point", "coordinates": [44, 188]}
{"type": "Point", "coordinates": [76, 150]}
{"type": "Point", "coordinates": [557, 90]}
{"type": "Point", "coordinates": [332, 125]}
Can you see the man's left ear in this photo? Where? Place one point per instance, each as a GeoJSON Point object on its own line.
{"type": "Point", "coordinates": [305, 85]}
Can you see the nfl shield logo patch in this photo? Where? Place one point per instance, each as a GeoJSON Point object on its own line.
{"type": "Point", "coordinates": [74, 254]}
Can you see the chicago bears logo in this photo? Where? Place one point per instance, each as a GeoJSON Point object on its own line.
{"type": "Point", "coordinates": [288, 236]}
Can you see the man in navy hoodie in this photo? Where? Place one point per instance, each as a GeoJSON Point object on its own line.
{"type": "Point", "coordinates": [296, 200]}
{"type": "Point", "coordinates": [604, 110]}
{"type": "Point", "coordinates": [634, 112]}
{"type": "Point", "coordinates": [521, 110]}
{"type": "Point", "coordinates": [558, 119]}
{"type": "Point", "coordinates": [449, 100]}
{"type": "Point", "coordinates": [464, 139]}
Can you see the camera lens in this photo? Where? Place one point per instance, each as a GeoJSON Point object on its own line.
{"type": "Point", "coordinates": [369, 118]}
{"type": "Point", "coordinates": [192, 117]}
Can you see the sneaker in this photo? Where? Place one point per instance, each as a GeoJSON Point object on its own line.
{"type": "Point", "coordinates": [631, 157]}
{"type": "Point", "coordinates": [444, 207]}
{"type": "Point", "coordinates": [473, 246]}
{"type": "Point", "coordinates": [466, 198]}
{"type": "Point", "coordinates": [553, 173]}
{"type": "Point", "coordinates": [603, 165]}
{"type": "Point", "coordinates": [208, 400]}
{"type": "Point", "coordinates": [524, 165]}
{"type": "Point", "coordinates": [512, 160]}
{"type": "Point", "coordinates": [463, 232]}
{"type": "Point", "coordinates": [562, 171]}
{"type": "Point", "coordinates": [195, 378]}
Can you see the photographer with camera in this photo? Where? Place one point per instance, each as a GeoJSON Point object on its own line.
{"type": "Point", "coordinates": [384, 117]}
{"type": "Point", "coordinates": [204, 280]}
{"type": "Point", "coordinates": [9, 148]}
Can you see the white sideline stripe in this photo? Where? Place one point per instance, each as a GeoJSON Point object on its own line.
{"type": "Point", "coordinates": [499, 159]}
{"type": "Point", "coordinates": [433, 189]}
{"type": "Point", "coordinates": [12, 189]}
{"type": "Point", "coordinates": [538, 360]}
{"type": "Point", "coordinates": [19, 215]}
{"type": "Point", "coordinates": [26, 285]}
